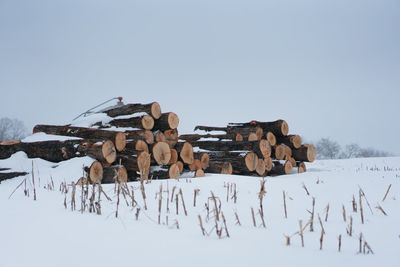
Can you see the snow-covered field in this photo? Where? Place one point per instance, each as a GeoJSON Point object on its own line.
{"type": "Point", "coordinates": [45, 233]}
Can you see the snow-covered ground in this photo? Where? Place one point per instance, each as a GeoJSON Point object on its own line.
{"type": "Point", "coordinates": [45, 233]}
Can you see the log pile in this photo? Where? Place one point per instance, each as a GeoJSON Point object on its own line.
{"type": "Point", "coordinates": [137, 141]}
{"type": "Point", "coordinates": [254, 148]}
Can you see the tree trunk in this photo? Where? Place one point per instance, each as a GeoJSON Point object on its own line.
{"type": "Point", "coordinates": [233, 133]}
{"type": "Point", "coordinates": [171, 137]}
{"type": "Point", "coordinates": [95, 172]}
{"type": "Point", "coordinates": [118, 138]}
{"type": "Point", "coordinates": [167, 121]}
{"type": "Point", "coordinates": [281, 169]}
{"type": "Point", "coordinates": [136, 164]}
{"type": "Point", "coordinates": [241, 162]}
{"type": "Point", "coordinates": [104, 152]}
{"type": "Point", "coordinates": [306, 153]}
{"type": "Point", "coordinates": [161, 153]}
{"type": "Point", "coordinates": [165, 172]}
{"type": "Point", "coordinates": [153, 109]}
{"type": "Point", "coordinates": [204, 159]}
{"type": "Point", "coordinates": [185, 151]}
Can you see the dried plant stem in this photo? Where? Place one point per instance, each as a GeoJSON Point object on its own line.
{"type": "Point", "coordinates": [262, 218]}
{"type": "Point", "coordinates": [195, 193]}
{"type": "Point", "coordinates": [284, 204]}
{"type": "Point", "coordinates": [340, 243]}
{"type": "Point", "coordinates": [301, 233]}
{"type": "Point", "coordinates": [183, 202]}
{"type": "Point", "coordinates": [344, 213]}
{"type": "Point", "coordinates": [321, 240]}
{"type": "Point", "coordinates": [306, 189]}
{"type": "Point", "coordinates": [361, 207]}
{"type": "Point", "coordinates": [387, 192]}
{"type": "Point", "coordinates": [312, 215]}
{"type": "Point", "coordinates": [142, 189]}
{"type": "Point", "coordinates": [237, 219]}
{"type": "Point", "coordinates": [203, 231]}
{"type": "Point", "coordinates": [379, 207]}
{"type": "Point", "coordinates": [360, 240]}
{"type": "Point", "coordinates": [254, 217]}
{"type": "Point", "coordinates": [137, 214]}
{"type": "Point", "coordinates": [118, 199]}
{"type": "Point", "coordinates": [354, 204]}
{"type": "Point", "coordinates": [33, 183]}
{"type": "Point", "coordinates": [327, 212]}
{"type": "Point", "coordinates": [225, 226]}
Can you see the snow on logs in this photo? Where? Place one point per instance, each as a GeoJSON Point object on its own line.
{"type": "Point", "coordinates": [253, 148]}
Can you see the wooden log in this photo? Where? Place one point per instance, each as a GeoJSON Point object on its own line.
{"type": "Point", "coordinates": [144, 135]}
{"type": "Point", "coordinates": [113, 174]}
{"type": "Point", "coordinates": [171, 137]}
{"type": "Point", "coordinates": [136, 164]}
{"type": "Point", "coordinates": [204, 137]}
{"type": "Point", "coordinates": [167, 121]}
{"type": "Point", "coordinates": [118, 138]}
{"type": "Point", "coordinates": [199, 173]}
{"type": "Point", "coordinates": [138, 145]}
{"type": "Point", "coordinates": [268, 164]}
{"type": "Point", "coordinates": [204, 159]}
{"type": "Point", "coordinates": [196, 165]}
{"type": "Point", "coordinates": [261, 148]}
{"type": "Point", "coordinates": [221, 167]}
{"type": "Point", "coordinates": [271, 138]}
{"type": "Point", "coordinates": [161, 153]}
{"type": "Point", "coordinates": [153, 109]}
{"type": "Point", "coordinates": [185, 151]}
{"type": "Point", "coordinates": [145, 122]}
{"type": "Point", "coordinates": [241, 162]}
{"type": "Point", "coordinates": [53, 151]}
{"type": "Point", "coordinates": [301, 167]}
{"type": "Point", "coordinates": [180, 166]}
{"type": "Point", "coordinates": [261, 168]}
{"type": "Point", "coordinates": [279, 152]}
{"type": "Point", "coordinates": [10, 175]}
{"type": "Point", "coordinates": [281, 169]}
{"type": "Point", "coordinates": [292, 141]}
{"type": "Point", "coordinates": [165, 172]}
{"type": "Point", "coordinates": [174, 157]}
{"type": "Point", "coordinates": [95, 172]}
{"type": "Point", "coordinates": [278, 128]}
{"type": "Point", "coordinates": [159, 136]}
{"type": "Point", "coordinates": [306, 153]}
{"type": "Point", "coordinates": [102, 151]}
{"type": "Point", "coordinates": [234, 133]}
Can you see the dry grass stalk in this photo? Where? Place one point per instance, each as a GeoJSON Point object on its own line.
{"type": "Point", "coordinates": [312, 215]}
{"type": "Point", "coordinates": [183, 202]}
{"type": "Point", "coordinates": [261, 212]}
{"type": "Point", "coordinates": [195, 194]}
{"type": "Point", "coordinates": [167, 198]}
{"type": "Point", "coordinates": [354, 204]}
{"type": "Point", "coordinates": [203, 231]}
{"type": "Point", "coordinates": [225, 226]}
{"type": "Point", "coordinates": [327, 213]}
{"type": "Point", "coordinates": [177, 203]}
{"type": "Point", "coordinates": [173, 193]}
{"type": "Point", "coordinates": [137, 214]}
{"type": "Point", "coordinates": [33, 183]}
{"type": "Point", "coordinates": [234, 196]}
{"type": "Point", "coordinates": [360, 240]}
{"type": "Point", "coordinates": [216, 209]}
{"type": "Point", "coordinates": [73, 193]}
{"type": "Point", "coordinates": [387, 192]}
{"type": "Point", "coordinates": [321, 239]}
{"type": "Point", "coordinates": [365, 197]}
{"type": "Point", "coordinates": [133, 201]}
{"type": "Point", "coordinates": [143, 190]}
{"type": "Point", "coordinates": [237, 219]}
{"type": "Point", "coordinates": [340, 243]}
{"type": "Point", "coordinates": [261, 194]}
{"type": "Point", "coordinates": [254, 217]}
{"type": "Point", "coordinates": [287, 240]}
{"type": "Point", "coordinates": [160, 203]}
{"type": "Point", "coordinates": [118, 199]}
{"type": "Point", "coordinates": [361, 207]}
{"type": "Point", "coordinates": [306, 189]}
{"type": "Point", "coordinates": [367, 249]}
{"type": "Point", "coordinates": [350, 227]}
{"type": "Point", "coordinates": [321, 224]}
{"type": "Point", "coordinates": [344, 213]}
{"type": "Point", "coordinates": [379, 207]}
{"type": "Point", "coordinates": [301, 233]}
{"type": "Point", "coordinates": [284, 204]}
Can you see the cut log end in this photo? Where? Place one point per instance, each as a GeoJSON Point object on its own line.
{"type": "Point", "coordinates": [147, 122]}
{"type": "Point", "coordinates": [143, 163]}
{"type": "Point", "coordinates": [155, 110]}
{"type": "Point", "coordinates": [253, 137]}
{"type": "Point", "coordinates": [174, 171]}
{"type": "Point", "coordinates": [109, 152]}
{"type": "Point", "coordinates": [268, 164]}
{"type": "Point", "coordinates": [162, 153]}
{"type": "Point", "coordinates": [296, 141]}
{"type": "Point", "coordinates": [120, 141]}
{"type": "Point", "coordinates": [239, 137]}
{"type": "Point", "coordinates": [141, 146]}
{"type": "Point", "coordinates": [226, 168]}
{"type": "Point", "coordinates": [311, 153]}
{"type": "Point", "coordinates": [288, 167]}
{"type": "Point", "coordinates": [271, 138]}
{"type": "Point", "coordinates": [265, 148]}
{"type": "Point", "coordinates": [180, 166]}
{"type": "Point", "coordinates": [205, 161]}
{"type": "Point", "coordinates": [95, 172]}
{"type": "Point", "coordinates": [301, 167]}
{"type": "Point", "coordinates": [280, 152]}
{"type": "Point", "coordinates": [199, 173]}
{"type": "Point", "coordinates": [149, 137]}
{"type": "Point", "coordinates": [261, 168]}
{"type": "Point", "coordinates": [173, 120]}
{"type": "Point", "coordinates": [186, 153]}
{"type": "Point", "coordinates": [251, 161]}
{"type": "Point", "coordinates": [284, 128]}
{"type": "Point", "coordinates": [196, 165]}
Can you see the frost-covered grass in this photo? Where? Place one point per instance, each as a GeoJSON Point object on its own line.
{"type": "Point", "coordinates": [44, 233]}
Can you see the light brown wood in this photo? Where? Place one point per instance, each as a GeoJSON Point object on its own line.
{"type": "Point", "coordinates": [271, 138]}
{"type": "Point", "coordinates": [112, 174]}
{"type": "Point", "coordinates": [180, 166]}
{"type": "Point", "coordinates": [251, 161]}
{"type": "Point", "coordinates": [174, 157]}
{"type": "Point", "coordinates": [279, 152]}
{"type": "Point", "coordinates": [167, 121]}
{"type": "Point", "coordinates": [306, 153]}
{"type": "Point", "coordinates": [152, 109]}
{"type": "Point", "coordinates": [171, 137]}
{"type": "Point", "coordinates": [145, 135]}
{"type": "Point", "coordinates": [252, 137]}
{"type": "Point", "coordinates": [220, 167]}
{"type": "Point", "coordinates": [161, 153]}
{"type": "Point", "coordinates": [185, 152]}
{"type": "Point", "coordinates": [95, 172]}
{"type": "Point", "coordinates": [196, 165]}
{"type": "Point", "coordinates": [204, 159]}
{"type": "Point", "coordinates": [159, 136]}
{"type": "Point", "coordinates": [174, 171]}
{"type": "Point", "coordinates": [301, 167]}
{"type": "Point", "coordinates": [260, 168]}
{"type": "Point", "coordinates": [199, 173]}
{"type": "Point", "coordinates": [268, 164]}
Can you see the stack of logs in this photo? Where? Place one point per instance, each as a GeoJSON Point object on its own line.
{"type": "Point", "coordinates": [254, 148]}
{"type": "Point", "coordinates": [137, 141]}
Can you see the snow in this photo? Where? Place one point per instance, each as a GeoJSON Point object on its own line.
{"type": "Point", "coordinates": [38, 137]}
{"type": "Point", "coordinates": [44, 233]}
{"type": "Point", "coordinates": [210, 132]}
{"type": "Point", "coordinates": [91, 119]}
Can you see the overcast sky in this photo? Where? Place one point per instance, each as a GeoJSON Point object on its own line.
{"type": "Point", "coordinates": [330, 68]}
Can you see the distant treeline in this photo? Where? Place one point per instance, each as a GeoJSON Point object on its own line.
{"type": "Point", "coordinates": [329, 149]}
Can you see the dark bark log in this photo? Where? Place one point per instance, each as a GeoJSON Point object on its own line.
{"type": "Point", "coordinates": [261, 148]}
{"type": "Point", "coordinates": [281, 169]}
{"type": "Point", "coordinates": [171, 137]}
{"type": "Point", "coordinates": [54, 151]}
{"type": "Point", "coordinates": [144, 135]}
{"type": "Point", "coordinates": [185, 151]}
{"type": "Point", "coordinates": [114, 174]}
{"type": "Point", "coordinates": [278, 128]}
{"type": "Point", "coordinates": [167, 121]}
{"type": "Point", "coordinates": [306, 153]}
{"type": "Point", "coordinates": [104, 152]}
{"type": "Point", "coordinates": [220, 167]}
{"type": "Point", "coordinates": [198, 137]}
{"type": "Point", "coordinates": [232, 133]}
{"type": "Point", "coordinates": [241, 162]}
{"type": "Point", "coordinates": [152, 109]}
{"type": "Point", "coordinates": [10, 175]}
{"type": "Point", "coordinates": [292, 141]}
{"type": "Point", "coordinates": [165, 172]}
{"type": "Point", "coordinates": [118, 138]}
{"type": "Point", "coordinates": [145, 122]}
{"type": "Point", "coordinates": [204, 159]}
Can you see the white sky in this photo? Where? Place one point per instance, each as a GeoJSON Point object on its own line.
{"type": "Point", "coordinates": [330, 68]}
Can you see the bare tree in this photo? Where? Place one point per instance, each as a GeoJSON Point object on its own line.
{"type": "Point", "coordinates": [12, 129]}
{"type": "Point", "coordinates": [328, 149]}
{"type": "Point", "coordinates": [351, 151]}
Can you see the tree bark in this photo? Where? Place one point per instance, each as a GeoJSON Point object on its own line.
{"type": "Point", "coordinates": [165, 172]}
{"type": "Point", "coordinates": [220, 167]}
{"type": "Point", "coordinates": [153, 109]}
{"type": "Point", "coordinates": [167, 121]}
{"type": "Point", "coordinates": [241, 162]}
{"type": "Point", "coordinates": [145, 122]}
{"type": "Point", "coordinates": [10, 175]}
{"type": "Point", "coordinates": [292, 141]}
{"type": "Point", "coordinates": [118, 138]}
{"type": "Point", "coordinates": [281, 169]}
{"type": "Point", "coordinates": [144, 135]}
{"type": "Point", "coordinates": [114, 174]}
{"type": "Point", "coordinates": [278, 128]}
{"type": "Point", "coordinates": [306, 153]}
